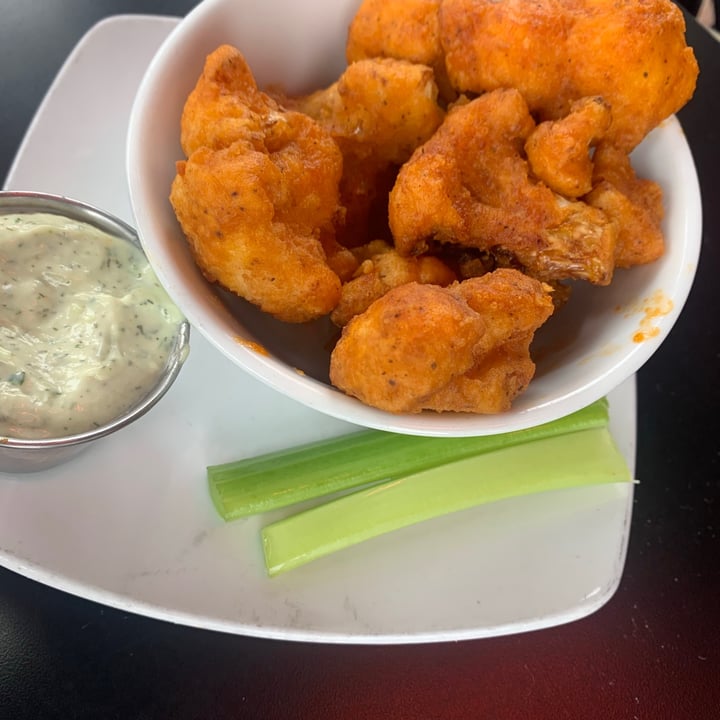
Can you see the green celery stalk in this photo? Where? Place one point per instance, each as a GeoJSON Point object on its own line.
{"type": "Point", "coordinates": [552, 463]}
{"type": "Point", "coordinates": [278, 479]}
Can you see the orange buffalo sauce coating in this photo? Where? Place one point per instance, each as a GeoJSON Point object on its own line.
{"type": "Point", "coordinates": [252, 345]}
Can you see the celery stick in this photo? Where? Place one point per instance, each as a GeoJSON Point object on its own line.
{"type": "Point", "coordinates": [278, 479]}
{"type": "Point", "coordinates": [552, 463]}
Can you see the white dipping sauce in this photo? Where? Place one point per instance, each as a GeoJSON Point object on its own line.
{"type": "Point", "coordinates": [85, 327]}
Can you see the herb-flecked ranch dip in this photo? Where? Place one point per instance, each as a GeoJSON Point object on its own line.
{"type": "Point", "coordinates": [85, 327]}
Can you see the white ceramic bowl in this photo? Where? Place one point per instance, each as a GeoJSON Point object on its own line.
{"type": "Point", "coordinates": [582, 353]}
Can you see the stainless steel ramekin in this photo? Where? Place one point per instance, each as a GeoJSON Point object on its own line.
{"type": "Point", "coordinates": [19, 455]}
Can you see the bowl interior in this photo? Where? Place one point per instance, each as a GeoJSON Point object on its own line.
{"type": "Point", "coordinates": [599, 339]}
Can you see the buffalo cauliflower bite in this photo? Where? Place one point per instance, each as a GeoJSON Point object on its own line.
{"type": "Point", "coordinates": [560, 151]}
{"type": "Point", "coordinates": [378, 112]}
{"type": "Point", "coordinates": [403, 30]}
{"type": "Point", "coordinates": [382, 268]}
{"type": "Point", "coordinates": [258, 194]}
{"type": "Point", "coordinates": [470, 184]}
{"type": "Point", "coordinates": [464, 348]}
{"type": "Point", "coordinates": [633, 54]}
{"type": "Point", "coordinates": [634, 204]}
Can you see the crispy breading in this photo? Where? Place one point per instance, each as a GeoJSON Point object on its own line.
{"type": "Point", "coordinates": [379, 108]}
{"type": "Point", "coordinates": [340, 259]}
{"type": "Point", "coordinates": [257, 196]}
{"type": "Point", "coordinates": [470, 185]}
{"type": "Point", "coordinates": [634, 204]}
{"type": "Point", "coordinates": [559, 151]}
{"type": "Point", "coordinates": [400, 29]}
{"type": "Point", "coordinates": [378, 112]}
{"type": "Point", "coordinates": [464, 348]}
{"type": "Point", "coordinates": [633, 54]}
{"type": "Point", "coordinates": [225, 105]}
{"type": "Point", "coordinates": [381, 269]}
{"type": "Point", "coordinates": [403, 29]}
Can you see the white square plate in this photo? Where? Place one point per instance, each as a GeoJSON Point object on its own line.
{"type": "Point", "coordinates": [130, 523]}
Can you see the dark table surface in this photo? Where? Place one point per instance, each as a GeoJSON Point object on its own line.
{"type": "Point", "coordinates": [653, 651]}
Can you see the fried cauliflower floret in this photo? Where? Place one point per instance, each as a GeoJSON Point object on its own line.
{"type": "Point", "coordinates": [380, 108]}
{"type": "Point", "coordinates": [225, 105]}
{"type": "Point", "coordinates": [381, 269]}
{"type": "Point", "coordinates": [633, 54]}
{"type": "Point", "coordinates": [400, 29]}
{"type": "Point", "coordinates": [257, 197]}
{"type": "Point", "coordinates": [340, 260]}
{"type": "Point", "coordinates": [634, 204]}
{"type": "Point", "coordinates": [408, 344]}
{"type": "Point", "coordinates": [403, 29]}
{"type": "Point", "coordinates": [559, 151]}
{"type": "Point", "coordinates": [470, 185]}
{"type": "Point", "coordinates": [464, 348]}
{"type": "Point", "coordinates": [377, 112]}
